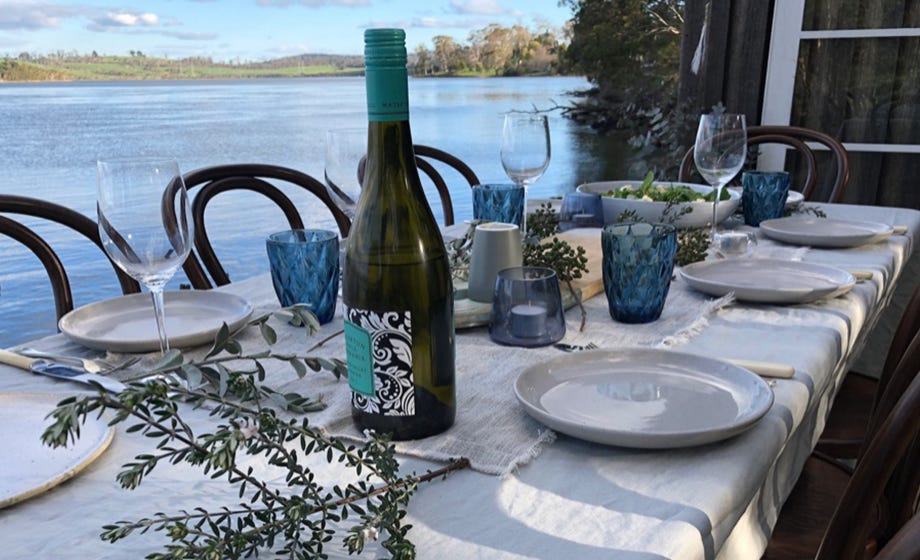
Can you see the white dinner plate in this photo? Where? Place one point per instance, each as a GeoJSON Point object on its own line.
{"type": "Point", "coordinates": [643, 397]}
{"type": "Point", "coordinates": [768, 280]}
{"type": "Point", "coordinates": [127, 323]}
{"type": "Point", "coordinates": [824, 232]}
{"type": "Point", "coordinates": [29, 467]}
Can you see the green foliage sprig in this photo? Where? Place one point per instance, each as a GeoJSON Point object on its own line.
{"type": "Point", "coordinates": [568, 262]}
{"type": "Point", "coordinates": [692, 244]}
{"type": "Point", "coordinates": [291, 519]}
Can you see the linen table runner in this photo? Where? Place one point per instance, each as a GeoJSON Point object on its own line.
{"type": "Point", "coordinates": [492, 429]}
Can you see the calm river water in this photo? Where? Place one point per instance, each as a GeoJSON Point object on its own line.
{"type": "Point", "coordinates": [52, 134]}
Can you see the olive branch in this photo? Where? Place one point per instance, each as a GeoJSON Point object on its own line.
{"type": "Point", "coordinates": [294, 519]}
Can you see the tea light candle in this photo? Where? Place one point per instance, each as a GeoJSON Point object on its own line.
{"type": "Point", "coordinates": [528, 320]}
{"type": "Point", "coordinates": [583, 218]}
{"type": "Point", "coordinates": [734, 243]}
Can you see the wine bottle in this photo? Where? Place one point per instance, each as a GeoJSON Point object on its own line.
{"type": "Point", "coordinates": [397, 293]}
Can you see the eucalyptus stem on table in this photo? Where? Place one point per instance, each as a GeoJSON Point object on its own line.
{"type": "Point", "coordinates": [568, 262]}
{"type": "Point", "coordinates": [293, 520]}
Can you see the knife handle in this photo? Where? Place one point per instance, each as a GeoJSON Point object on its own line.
{"type": "Point", "coordinates": [13, 359]}
{"type": "Point", "coordinates": [766, 369]}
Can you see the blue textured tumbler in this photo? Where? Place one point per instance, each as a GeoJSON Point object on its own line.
{"type": "Point", "coordinates": [305, 269]}
{"type": "Point", "coordinates": [763, 195]}
{"type": "Point", "coordinates": [638, 260]}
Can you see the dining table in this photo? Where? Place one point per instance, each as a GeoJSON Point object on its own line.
{"type": "Point", "coordinates": [529, 491]}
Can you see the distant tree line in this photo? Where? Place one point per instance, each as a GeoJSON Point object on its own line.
{"type": "Point", "coordinates": [494, 50]}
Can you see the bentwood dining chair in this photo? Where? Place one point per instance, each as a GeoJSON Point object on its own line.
{"type": "Point", "coordinates": [835, 513]}
{"type": "Point", "coordinates": [424, 156]}
{"type": "Point", "coordinates": [425, 153]}
{"type": "Point", "coordinates": [60, 282]}
{"type": "Point", "coordinates": [844, 434]}
{"type": "Point", "coordinates": [253, 177]}
{"type": "Point", "coordinates": [815, 187]}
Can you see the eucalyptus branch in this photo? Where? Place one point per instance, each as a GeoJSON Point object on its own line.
{"type": "Point", "coordinates": [557, 254]}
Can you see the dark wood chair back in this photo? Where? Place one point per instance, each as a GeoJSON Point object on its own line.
{"type": "Point", "coordinates": [905, 545]}
{"type": "Point", "coordinates": [811, 165]}
{"type": "Point", "coordinates": [424, 153]}
{"type": "Point", "coordinates": [60, 283]}
{"type": "Point", "coordinates": [886, 475]}
{"type": "Point", "coordinates": [840, 161]}
{"type": "Point", "coordinates": [211, 181]}
{"type": "Point", "coordinates": [795, 137]}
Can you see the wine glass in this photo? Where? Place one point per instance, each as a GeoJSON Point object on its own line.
{"type": "Point", "coordinates": [525, 151]}
{"type": "Point", "coordinates": [145, 223]}
{"type": "Point", "coordinates": [346, 149]}
{"type": "Point", "coordinates": [719, 152]}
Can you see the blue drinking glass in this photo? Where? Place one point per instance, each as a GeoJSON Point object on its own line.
{"type": "Point", "coordinates": [305, 269]}
{"type": "Point", "coordinates": [763, 195]}
{"type": "Point", "coordinates": [638, 260]}
{"type": "Point", "coordinates": [579, 210]}
{"type": "Point", "coordinates": [500, 202]}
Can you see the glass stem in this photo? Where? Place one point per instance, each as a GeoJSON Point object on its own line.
{"type": "Point", "coordinates": [717, 189]}
{"type": "Point", "coordinates": [524, 216]}
{"type": "Point", "coordinates": [156, 294]}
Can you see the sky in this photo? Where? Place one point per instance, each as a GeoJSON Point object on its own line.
{"type": "Point", "coordinates": [249, 30]}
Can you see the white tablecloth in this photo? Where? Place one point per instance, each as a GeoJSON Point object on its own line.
{"type": "Point", "coordinates": [575, 499]}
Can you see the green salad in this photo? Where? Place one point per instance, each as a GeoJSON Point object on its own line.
{"type": "Point", "coordinates": [651, 192]}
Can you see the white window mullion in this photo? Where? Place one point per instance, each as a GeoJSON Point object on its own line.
{"type": "Point", "coordinates": [779, 85]}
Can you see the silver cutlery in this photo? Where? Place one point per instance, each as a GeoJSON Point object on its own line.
{"type": "Point", "coordinates": [91, 365]}
{"type": "Point", "coordinates": [60, 370]}
{"type": "Point", "coordinates": [575, 347]}
{"type": "Point", "coordinates": [763, 369]}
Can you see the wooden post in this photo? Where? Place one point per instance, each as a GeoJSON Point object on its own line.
{"type": "Point", "coordinates": [724, 55]}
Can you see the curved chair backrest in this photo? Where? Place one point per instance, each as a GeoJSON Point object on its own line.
{"type": "Point", "coordinates": [808, 156]}
{"type": "Point", "coordinates": [840, 159]}
{"type": "Point", "coordinates": [212, 181]}
{"type": "Point", "coordinates": [60, 283]}
{"type": "Point", "coordinates": [905, 545]}
{"type": "Point", "coordinates": [891, 457]}
{"type": "Point", "coordinates": [907, 330]}
{"type": "Point", "coordinates": [795, 137]}
{"type": "Point", "coordinates": [422, 154]}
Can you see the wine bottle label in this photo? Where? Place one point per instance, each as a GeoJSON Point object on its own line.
{"type": "Point", "coordinates": [378, 349]}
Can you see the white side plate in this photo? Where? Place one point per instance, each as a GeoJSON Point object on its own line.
{"type": "Point", "coordinates": [127, 323]}
{"type": "Point", "coordinates": [768, 280]}
{"type": "Point", "coordinates": [30, 467]}
{"type": "Point", "coordinates": [643, 397]}
{"type": "Point", "coordinates": [825, 232]}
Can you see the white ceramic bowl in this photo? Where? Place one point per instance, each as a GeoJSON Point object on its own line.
{"type": "Point", "coordinates": [700, 212]}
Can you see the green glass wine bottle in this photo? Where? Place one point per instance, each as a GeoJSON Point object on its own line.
{"type": "Point", "coordinates": [397, 293]}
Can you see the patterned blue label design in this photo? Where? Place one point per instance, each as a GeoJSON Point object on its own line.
{"type": "Point", "coordinates": [392, 385]}
{"type": "Point", "coordinates": [360, 359]}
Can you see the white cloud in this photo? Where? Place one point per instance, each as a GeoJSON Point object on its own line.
{"type": "Point", "coordinates": [17, 14]}
{"type": "Point", "coordinates": [313, 3]}
{"type": "Point", "coordinates": [132, 20]}
{"type": "Point", "coordinates": [478, 7]}
{"type": "Point", "coordinates": [430, 23]}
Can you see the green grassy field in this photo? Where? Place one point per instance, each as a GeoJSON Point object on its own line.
{"type": "Point", "coordinates": [148, 68]}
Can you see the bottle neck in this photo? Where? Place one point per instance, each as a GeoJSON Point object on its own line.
{"type": "Point", "coordinates": [387, 94]}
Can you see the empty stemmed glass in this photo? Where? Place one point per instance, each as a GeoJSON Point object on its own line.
{"type": "Point", "coordinates": [719, 153]}
{"type": "Point", "coordinates": [525, 151]}
{"type": "Point", "coordinates": [145, 223]}
{"type": "Point", "coordinates": [346, 148]}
